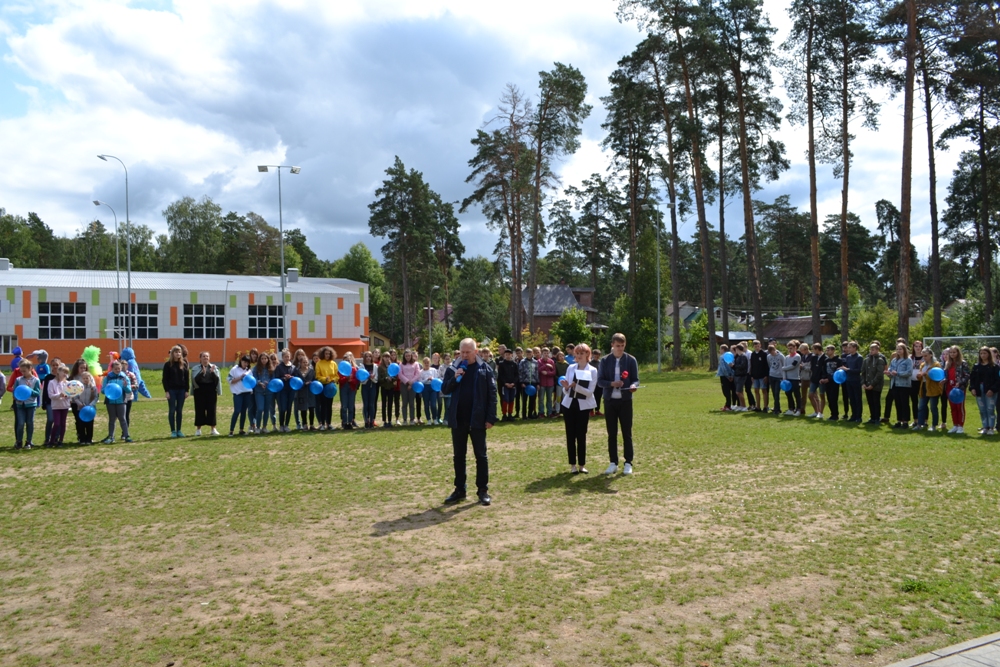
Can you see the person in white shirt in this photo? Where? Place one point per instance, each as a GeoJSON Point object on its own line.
{"type": "Point", "coordinates": [578, 401]}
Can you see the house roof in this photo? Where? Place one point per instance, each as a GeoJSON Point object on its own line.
{"type": "Point", "coordinates": [142, 280]}
{"type": "Point", "coordinates": [553, 300]}
{"type": "Point", "coordinates": [791, 327]}
{"type": "Point", "coordinates": [687, 310]}
{"type": "Point", "coordinates": [737, 335]}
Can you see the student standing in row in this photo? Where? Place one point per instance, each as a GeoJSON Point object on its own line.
{"type": "Point", "coordinates": [176, 383]}
{"type": "Point", "coordinates": [900, 378]}
{"type": "Point", "coordinates": [117, 406]}
{"type": "Point", "coordinates": [547, 384]}
{"type": "Point", "coordinates": [369, 390]}
{"type": "Point", "coordinates": [956, 377]}
{"type": "Point", "coordinates": [59, 401]}
{"type": "Point", "coordinates": [852, 366]}
{"type": "Point", "coordinates": [776, 373]}
{"type": "Point", "coordinates": [741, 369]}
{"type": "Point", "coordinates": [241, 395]}
{"type": "Point", "coordinates": [831, 391]}
{"type": "Point", "coordinates": [387, 385]}
{"type": "Point", "coordinates": [263, 399]}
{"type": "Point", "coordinates": [206, 387]}
{"type": "Point", "coordinates": [326, 373]}
{"type": "Point", "coordinates": [24, 410]}
{"type": "Point", "coordinates": [286, 396]}
{"type": "Point", "coordinates": [872, 376]}
{"type": "Point", "coordinates": [759, 375]}
{"type": "Point", "coordinates": [409, 372]}
{"type": "Point", "coordinates": [528, 377]}
{"type": "Point", "coordinates": [725, 374]}
{"type": "Point", "coordinates": [985, 383]}
{"type": "Point", "coordinates": [305, 400]}
{"type": "Point", "coordinates": [86, 398]}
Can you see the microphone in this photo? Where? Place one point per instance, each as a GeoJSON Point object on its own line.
{"type": "Point", "coordinates": [463, 366]}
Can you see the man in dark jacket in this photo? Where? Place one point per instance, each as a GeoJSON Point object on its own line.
{"type": "Point", "coordinates": [852, 364]}
{"type": "Point", "coordinates": [618, 375]}
{"type": "Point", "coordinates": [758, 374]}
{"type": "Point", "coordinates": [472, 411]}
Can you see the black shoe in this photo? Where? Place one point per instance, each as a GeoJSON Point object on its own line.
{"type": "Point", "coordinates": [456, 496]}
{"type": "Point", "coordinates": [484, 499]}
{"type": "Point", "coordinates": [833, 418]}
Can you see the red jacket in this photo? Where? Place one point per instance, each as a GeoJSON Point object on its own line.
{"type": "Point", "coordinates": [350, 380]}
{"type": "Point", "coordinates": [546, 372]}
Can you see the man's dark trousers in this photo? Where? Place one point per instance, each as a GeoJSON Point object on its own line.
{"type": "Point", "coordinates": [854, 396]}
{"type": "Point", "coordinates": [460, 443]}
{"type": "Point", "coordinates": [618, 410]}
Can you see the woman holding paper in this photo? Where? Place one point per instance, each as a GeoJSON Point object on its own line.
{"type": "Point", "coordinates": [578, 400]}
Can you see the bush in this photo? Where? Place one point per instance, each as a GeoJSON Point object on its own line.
{"type": "Point", "coordinates": [571, 327]}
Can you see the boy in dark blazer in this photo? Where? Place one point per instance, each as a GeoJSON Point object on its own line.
{"type": "Point", "coordinates": [618, 376]}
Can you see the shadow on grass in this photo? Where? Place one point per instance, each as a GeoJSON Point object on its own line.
{"type": "Point", "coordinates": [425, 519]}
{"type": "Point", "coordinates": [573, 484]}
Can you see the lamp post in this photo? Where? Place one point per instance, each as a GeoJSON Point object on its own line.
{"type": "Point", "coordinates": [263, 168]}
{"type": "Point", "coordinates": [128, 252]}
{"type": "Point", "coordinates": [225, 323]}
{"type": "Point", "coordinates": [118, 278]}
{"type": "Point", "coordinates": [430, 329]}
{"type": "Point", "coordinates": [659, 307]}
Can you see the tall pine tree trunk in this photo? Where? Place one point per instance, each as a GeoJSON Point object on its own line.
{"type": "Point", "coordinates": [936, 298]}
{"type": "Point", "coordinates": [699, 194]}
{"type": "Point", "coordinates": [903, 304]}
{"type": "Point", "coordinates": [817, 335]}
{"type": "Point", "coordinates": [987, 244]}
{"type": "Point", "coordinates": [845, 147]}
{"type": "Point", "coordinates": [753, 274]}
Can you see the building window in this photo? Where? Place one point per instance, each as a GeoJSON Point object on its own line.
{"type": "Point", "coordinates": [145, 320]}
{"type": "Point", "coordinates": [62, 321]}
{"type": "Point", "coordinates": [204, 321]}
{"type": "Point", "coordinates": [266, 322]}
{"type": "Point", "coordinates": [7, 344]}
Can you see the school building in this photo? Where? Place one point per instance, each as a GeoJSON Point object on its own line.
{"type": "Point", "coordinates": [64, 311]}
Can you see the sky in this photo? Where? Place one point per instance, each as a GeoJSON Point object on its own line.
{"type": "Point", "coordinates": [192, 95]}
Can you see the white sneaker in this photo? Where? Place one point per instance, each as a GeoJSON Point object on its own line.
{"type": "Point", "coordinates": [796, 413]}
{"type": "Point", "coordinates": [612, 469]}
{"type": "Point", "coordinates": [952, 429]}
{"type": "Point", "coordinates": [818, 415]}
{"type": "Point", "coordinates": [215, 431]}
{"type": "Point", "coordinates": [788, 413]}
{"type": "Point", "coordinates": [959, 429]}
{"type": "Point", "coordinates": [628, 469]}
{"type": "Point", "coordinates": [197, 431]}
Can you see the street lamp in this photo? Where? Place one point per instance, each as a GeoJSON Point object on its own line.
{"type": "Point", "coordinates": [263, 168]}
{"type": "Point", "coordinates": [430, 330]}
{"type": "Point", "coordinates": [128, 250]}
{"type": "Point", "coordinates": [225, 322]}
{"type": "Point", "coordinates": [118, 279]}
{"type": "Point", "coordinates": [659, 308]}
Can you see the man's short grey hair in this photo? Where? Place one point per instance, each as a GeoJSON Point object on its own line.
{"type": "Point", "coordinates": [468, 341]}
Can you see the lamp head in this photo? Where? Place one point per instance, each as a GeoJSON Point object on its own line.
{"type": "Point", "coordinates": [295, 170]}
{"type": "Point", "coordinates": [262, 168]}
{"type": "Point", "coordinates": [97, 203]}
{"type": "Point", "coordinates": [103, 158]}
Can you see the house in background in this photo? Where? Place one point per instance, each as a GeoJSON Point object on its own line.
{"type": "Point", "coordinates": [785, 329]}
{"type": "Point", "coordinates": [377, 340]}
{"type": "Point", "coordinates": [552, 300]}
{"type": "Point", "coordinates": [688, 312]}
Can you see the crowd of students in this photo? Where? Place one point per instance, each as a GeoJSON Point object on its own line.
{"type": "Point", "coordinates": [817, 379]}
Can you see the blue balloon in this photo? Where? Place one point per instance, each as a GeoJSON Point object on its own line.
{"type": "Point", "coordinates": [562, 378]}
{"type": "Point", "coordinates": [786, 385]}
{"type": "Point", "coordinates": [393, 369]}
{"type": "Point", "coordinates": [418, 387]}
{"type": "Point", "coordinates": [113, 391]}
{"type": "Point", "coordinates": [840, 377]}
{"type": "Point", "coordinates": [530, 390]}
{"type": "Point", "coordinates": [344, 367]}
{"type": "Point", "coordinates": [87, 413]}
{"type": "Point", "coordinates": [956, 396]}
{"type": "Point", "coordinates": [275, 385]}
{"type": "Point", "coordinates": [330, 390]}
{"type": "Point", "coordinates": [249, 381]}
{"type": "Point", "coordinates": [316, 387]}
{"type": "Point", "coordinates": [936, 374]}
{"type": "Point", "coordinates": [295, 383]}
{"type": "Point", "coordinates": [22, 392]}
{"type": "Point", "coordinates": [728, 357]}
{"type": "Point", "coordinates": [363, 375]}
{"type": "Point", "coordinates": [436, 384]}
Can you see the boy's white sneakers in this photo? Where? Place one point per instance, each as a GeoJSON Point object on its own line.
{"type": "Point", "coordinates": [612, 469]}
{"type": "Point", "coordinates": [628, 469]}
{"type": "Point", "coordinates": [959, 429]}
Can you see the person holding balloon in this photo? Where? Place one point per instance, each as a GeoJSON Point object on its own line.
{"type": "Point", "coordinates": [263, 399]}
{"type": "Point", "coordinates": [286, 397]}
{"type": "Point", "coordinates": [59, 402]}
{"type": "Point", "coordinates": [427, 376]}
{"type": "Point", "coordinates": [305, 400]}
{"type": "Point", "coordinates": [957, 375]}
{"type": "Point", "coordinates": [84, 405]}
{"type": "Point", "coordinates": [368, 377]}
{"type": "Point", "coordinates": [900, 374]}
{"type": "Point", "coordinates": [242, 390]}
{"type": "Point", "coordinates": [725, 375]}
{"type": "Point", "coordinates": [117, 391]}
{"type": "Point", "coordinates": [206, 387]}
{"type": "Point", "coordinates": [326, 374]}
{"type": "Point", "coordinates": [26, 389]}
{"type": "Point", "coordinates": [409, 373]}
{"type": "Point", "coordinates": [347, 379]}
{"type": "Point", "coordinates": [931, 376]}
{"type": "Point", "coordinates": [387, 386]}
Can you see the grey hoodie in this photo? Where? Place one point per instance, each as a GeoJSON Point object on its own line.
{"type": "Point", "coordinates": [776, 364]}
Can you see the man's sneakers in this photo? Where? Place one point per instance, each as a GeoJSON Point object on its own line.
{"type": "Point", "coordinates": [628, 469]}
{"type": "Point", "coordinates": [612, 469]}
{"type": "Point", "coordinates": [215, 431]}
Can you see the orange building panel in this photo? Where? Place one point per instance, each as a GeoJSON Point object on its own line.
{"type": "Point", "coordinates": [72, 297]}
{"type": "Point", "coordinates": [250, 295]}
{"type": "Point", "coordinates": [298, 308]}
{"type": "Point", "coordinates": [329, 326]}
{"type": "Point", "coordinates": [357, 314]}
{"type": "Point", "coordinates": [340, 303]}
{"type": "Point", "coordinates": [26, 304]}
{"type": "Point", "coordinates": [173, 316]}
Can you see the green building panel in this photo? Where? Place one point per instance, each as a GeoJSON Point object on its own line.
{"type": "Point", "coordinates": [232, 300]}
{"type": "Point", "coordinates": [11, 293]}
{"type": "Point", "coordinates": [312, 326]}
{"type": "Point", "coordinates": [361, 294]}
{"type": "Point", "coordinates": [43, 294]}
{"type": "Point", "coordinates": [194, 297]}
{"type": "Point", "coordinates": [95, 300]}
{"type": "Point", "coordinates": [318, 307]}
{"type": "Point", "coordinates": [270, 300]}
{"type": "Point", "coordinates": [152, 295]}
{"type": "Point", "coordinates": [288, 297]}
{"type": "Point", "coordinates": [103, 323]}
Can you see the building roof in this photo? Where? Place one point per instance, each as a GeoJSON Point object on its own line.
{"type": "Point", "coordinates": [737, 335]}
{"type": "Point", "coordinates": [142, 280]}
{"type": "Point", "coordinates": [554, 299]}
{"type": "Point", "coordinates": [792, 327]}
{"type": "Point", "coordinates": [687, 310]}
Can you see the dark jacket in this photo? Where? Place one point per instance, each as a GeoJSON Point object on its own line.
{"type": "Point", "coordinates": [872, 369]}
{"type": "Point", "coordinates": [986, 375]}
{"type": "Point", "coordinates": [758, 365]}
{"type": "Point", "coordinates": [606, 375]}
{"type": "Point", "coordinates": [741, 365]}
{"type": "Point", "coordinates": [484, 397]}
{"type": "Point", "coordinates": [507, 372]}
{"type": "Point", "coordinates": [853, 363]}
{"type": "Point", "coordinates": [176, 377]}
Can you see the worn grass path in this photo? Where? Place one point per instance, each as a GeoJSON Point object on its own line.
{"type": "Point", "coordinates": [740, 540]}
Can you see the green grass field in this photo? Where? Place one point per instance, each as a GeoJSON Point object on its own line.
{"type": "Point", "coordinates": [742, 539]}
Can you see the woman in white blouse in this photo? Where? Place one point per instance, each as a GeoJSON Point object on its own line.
{"type": "Point", "coordinates": [578, 400]}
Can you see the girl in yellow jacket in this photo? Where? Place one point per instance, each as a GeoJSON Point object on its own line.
{"type": "Point", "coordinates": [930, 391]}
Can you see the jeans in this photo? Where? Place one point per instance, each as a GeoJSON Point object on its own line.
{"type": "Point", "coordinates": [175, 404]}
{"type": "Point", "coordinates": [347, 400]}
{"type": "Point", "coordinates": [241, 403]}
{"type": "Point", "coordinates": [390, 397]}
{"type": "Point", "coordinates": [987, 408]}
{"type": "Point", "coordinates": [932, 401]}
{"type": "Point", "coordinates": [286, 397]}
{"type": "Point", "coordinates": [58, 426]}
{"type": "Point", "coordinates": [793, 396]}
{"type": "Point", "coordinates": [409, 402]}
{"type": "Point", "coordinates": [528, 402]}
{"type": "Point", "coordinates": [432, 405]}
{"type": "Point", "coordinates": [324, 410]}
{"type": "Point", "coordinates": [775, 385]}
{"type": "Point", "coordinates": [854, 397]}
{"type": "Point", "coordinates": [24, 419]}
{"type": "Point", "coordinates": [49, 420]}
{"type": "Point", "coordinates": [369, 401]}
{"type": "Point", "coordinates": [545, 395]}
{"type": "Point", "coordinates": [116, 413]}
{"type": "Point", "coordinates": [509, 398]}
{"type": "Point", "coordinates": [460, 436]}
{"type": "Point", "coordinates": [264, 402]}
